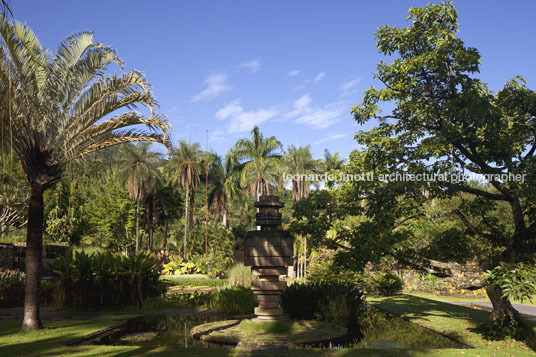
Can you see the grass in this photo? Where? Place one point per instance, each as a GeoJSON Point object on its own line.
{"type": "Point", "coordinates": [196, 280]}
{"type": "Point", "coordinates": [466, 299]}
{"type": "Point", "coordinates": [458, 322]}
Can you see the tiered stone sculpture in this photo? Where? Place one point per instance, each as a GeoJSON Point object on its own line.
{"type": "Point", "coordinates": [269, 252]}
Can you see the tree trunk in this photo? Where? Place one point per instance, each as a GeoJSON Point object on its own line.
{"type": "Point", "coordinates": [166, 234]}
{"type": "Point", "coordinates": [138, 226]}
{"type": "Point", "coordinates": [187, 203]}
{"type": "Point", "coordinates": [34, 259]}
{"type": "Point", "coordinates": [503, 314]}
{"type": "Point", "coordinates": [305, 257]}
{"type": "Point", "coordinates": [224, 217]}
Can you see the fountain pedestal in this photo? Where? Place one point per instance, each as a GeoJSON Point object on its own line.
{"type": "Point", "coordinates": [269, 252]}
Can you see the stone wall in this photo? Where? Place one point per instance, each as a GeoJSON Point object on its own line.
{"type": "Point", "coordinates": [13, 256]}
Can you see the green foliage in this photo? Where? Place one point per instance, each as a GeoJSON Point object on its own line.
{"type": "Point", "coordinates": [239, 275]}
{"type": "Point", "coordinates": [62, 226]}
{"type": "Point", "coordinates": [11, 287]}
{"type": "Point", "coordinates": [179, 266]}
{"type": "Point", "coordinates": [237, 300]}
{"type": "Point", "coordinates": [517, 281]}
{"type": "Point", "coordinates": [189, 299]}
{"type": "Point", "coordinates": [105, 279]}
{"type": "Point", "coordinates": [323, 269]}
{"type": "Point", "coordinates": [386, 283]}
{"type": "Point", "coordinates": [330, 302]}
{"type": "Point", "coordinates": [426, 282]}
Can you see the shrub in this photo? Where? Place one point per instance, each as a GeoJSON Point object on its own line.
{"type": "Point", "coordinates": [189, 299]}
{"type": "Point", "coordinates": [240, 275]}
{"type": "Point", "coordinates": [105, 279]}
{"type": "Point", "coordinates": [179, 266]}
{"type": "Point", "coordinates": [426, 282]}
{"type": "Point", "coordinates": [11, 288]}
{"type": "Point", "coordinates": [329, 272]}
{"type": "Point", "coordinates": [237, 300]}
{"type": "Point", "coordinates": [330, 302]}
{"type": "Point", "coordinates": [386, 284]}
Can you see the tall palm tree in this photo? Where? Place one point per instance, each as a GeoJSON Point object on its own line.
{"type": "Point", "coordinates": [58, 107]}
{"type": "Point", "coordinates": [226, 184]}
{"type": "Point", "coordinates": [143, 178]}
{"type": "Point", "coordinates": [258, 158]}
{"type": "Point", "coordinates": [300, 163]}
{"type": "Point", "coordinates": [187, 162]}
{"type": "Point", "coordinates": [332, 161]}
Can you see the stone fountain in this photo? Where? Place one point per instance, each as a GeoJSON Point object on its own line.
{"type": "Point", "coordinates": [269, 252]}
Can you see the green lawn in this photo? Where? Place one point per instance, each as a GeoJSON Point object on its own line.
{"type": "Point", "coordinates": [466, 299]}
{"type": "Point", "coordinates": [456, 321]}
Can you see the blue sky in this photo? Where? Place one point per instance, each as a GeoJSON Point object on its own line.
{"type": "Point", "coordinates": [294, 68]}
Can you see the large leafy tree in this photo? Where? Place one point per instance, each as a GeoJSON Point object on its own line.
{"type": "Point", "coordinates": [446, 122]}
{"type": "Point", "coordinates": [60, 107]}
{"type": "Point", "coordinates": [258, 159]}
{"type": "Point", "coordinates": [188, 166]}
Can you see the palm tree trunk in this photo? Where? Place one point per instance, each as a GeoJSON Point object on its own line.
{"type": "Point", "coordinates": [166, 234]}
{"type": "Point", "coordinates": [186, 221]}
{"type": "Point", "coordinates": [137, 225]}
{"type": "Point", "coordinates": [224, 217]}
{"type": "Point", "coordinates": [305, 257]}
{"type": "Point", "coordinates": [34, 259]}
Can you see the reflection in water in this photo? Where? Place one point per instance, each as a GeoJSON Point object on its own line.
{"type": "Point", "coordinates": [378, 329]}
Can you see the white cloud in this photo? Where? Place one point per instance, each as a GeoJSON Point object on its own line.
{"type": "Point", "coordinates": [317, 117]}
{"type": "Point", "coordinates": [329, 138]}
{"type": "Point", "coordinates": [300, 106]}
{"type": "Point", "coordinates": [241, 121]}
{"type": "Point", "coordinates": [293, 73]}
{"type": "Point", "coordinates": [232, 109]}
{"type": "Point", "coordinates": [216, 136]}
{"type": "Point", "coordinates": [253, 66]}
{"type": "Point", "coordinates": [348, 88]}
{"type": "Point", "coordinates": [216, 84]}
{"type": "Point", "coordinates": [319, 77]}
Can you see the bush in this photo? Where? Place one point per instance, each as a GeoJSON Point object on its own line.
{"type": "Point", "coordinates": [179, 266]}
{"type": "Point", "coordinates": [330, 302]}
{"type": "Point", "coordinates": [386, 284]}
{"type": "Point", "coordinates": [426, 282]}
{"type": "Point", "coordinates": [240, 275]}
{"type": "Point", "coordinates": [329, 272]}
{"type": "Point", "coordinates": [238, 300]}
{"type": "Point", "coordinates": [105, 279]}
{"type": "Point", "coordinates": [11, 288]}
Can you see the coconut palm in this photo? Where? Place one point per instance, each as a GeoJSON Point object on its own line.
{"type": "Point", "coordinates": [258, 159]}
{"type": "Point", "coordinates": [187, 163]}
{"type": "Point", "coordinates": [143, 179]}
{"type": "Point", "coordinates": [58, 107]}
{"type": "Point", "coordinates": [299, 162]}
{"type": "Point", "coordinates": [226, 184]}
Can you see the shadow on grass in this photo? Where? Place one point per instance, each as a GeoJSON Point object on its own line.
{"type": "Point", "coordinates": [416, 309]}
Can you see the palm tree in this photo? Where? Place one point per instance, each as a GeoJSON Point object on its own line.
{"type": "Point", "coordinates": [188, 165]}
{"type": "Point", "coordinates": [226, 187]}
{"type": "Point", "coordinates": [258, 159]}
{"type": "Point", "coordinates": [300, 163]}
{"type": "Point", "coordinates": [332, 162]}
{"type": "Point", "coordinates": [143, 179]}
{"type": "Point", "coordinates": [60, 107]}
